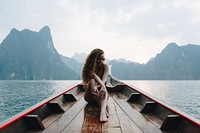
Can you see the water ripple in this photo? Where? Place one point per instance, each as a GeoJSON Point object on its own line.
{"type": "Point", "coordinates": [183, 95]}
{"type": "Point", "coordinates": [16, 96]}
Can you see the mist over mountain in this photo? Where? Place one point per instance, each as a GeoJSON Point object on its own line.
{"type": "Point", "coordinates": [122, 60]}
{"type": "Point", "coordinates": [80, 57]}
{"type": "Point", "coordinates": [31, 55]}
{"type": "Point", "coordinates": [73, 64]}
{"type": "Point", "coordinates": [173, 63]}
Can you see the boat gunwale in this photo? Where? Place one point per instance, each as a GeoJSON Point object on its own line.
{"type": "Point", "coordinates": [45, 101]}
{"type": "Point", "coordinates": [182, 114]}
{"type": "Point", "coordinates": [34, 107]}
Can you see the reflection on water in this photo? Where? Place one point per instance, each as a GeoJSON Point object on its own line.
{"type": "Point", "coordinates": [183, 95]}
{"type": "Point", "coordinates": [16, 96]}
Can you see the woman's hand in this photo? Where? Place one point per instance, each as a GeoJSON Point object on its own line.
{"type": "Point", "coordinates": [102, 92]}
{"type": "Point", "coordinates": [96, 91]}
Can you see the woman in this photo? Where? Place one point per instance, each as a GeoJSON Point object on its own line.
{"type": "Point", "coordinates": [94, 76]}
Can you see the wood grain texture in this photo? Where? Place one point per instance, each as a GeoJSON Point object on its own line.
{"type": "Point", "coordinates": [62, 122]}
{"type": "Point", "coordinates": [145, 125]}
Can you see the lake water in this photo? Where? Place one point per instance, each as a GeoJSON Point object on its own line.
{"type": "Point", "coordinates": [15, 96]}
{"type": "Point", "coordinates": [181, 95]}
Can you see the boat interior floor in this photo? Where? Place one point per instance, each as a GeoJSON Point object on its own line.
{"type": "Point", "coordinates": [79, 116]}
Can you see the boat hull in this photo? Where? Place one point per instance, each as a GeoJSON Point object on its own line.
{"type": "Point", "coordinates": [131, 110]}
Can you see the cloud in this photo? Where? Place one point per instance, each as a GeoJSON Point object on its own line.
{"type": "Point", "coordinates": [131, 29]}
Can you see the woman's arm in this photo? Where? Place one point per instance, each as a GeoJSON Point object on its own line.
{"type": "Point", "coordinates": [104, 77]}
{"type": "Point", "coordinates": [96, 77]}
{"type": "Point", "coordinates": [105, 74]}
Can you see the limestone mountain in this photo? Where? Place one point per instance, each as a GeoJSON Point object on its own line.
{"type": "Point", "coordinates": [173, 63]}
{"type": "Point", "coordinates": [80, 57]}
{"type": "Point", "coordinates": [73, 64]}
{"type": "Point", "coordinates": [176, 62]}
{"type": "Point", "coordinates": [29, 55]}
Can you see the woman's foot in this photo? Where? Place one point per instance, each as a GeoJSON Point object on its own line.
{"type": "Point", "coordinates": [103, 116]}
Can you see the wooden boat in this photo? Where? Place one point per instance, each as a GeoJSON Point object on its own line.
{"type": "Point", "coordinates": [130, 110]}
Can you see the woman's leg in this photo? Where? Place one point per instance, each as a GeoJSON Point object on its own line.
{"type": "Point", "coordinates": [89, 95]}
{"type": "Point", "coordinates": [93, 96]}
{"type": "Point", "coordinates": [104, 106]}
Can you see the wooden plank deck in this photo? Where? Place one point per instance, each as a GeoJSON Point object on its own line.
{"type": "Point", "coordinates": [129, 111]}
{"type": "Point", "coordinates": [82, 117]}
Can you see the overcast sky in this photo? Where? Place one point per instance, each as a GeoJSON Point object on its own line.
{"type": "Point", "coordinates": [132, 29]}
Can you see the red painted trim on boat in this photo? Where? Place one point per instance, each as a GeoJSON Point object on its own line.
{"type": "Point", "coordinates": [177, 112]}
{"type": "Point", "coordinates": [31, 109]}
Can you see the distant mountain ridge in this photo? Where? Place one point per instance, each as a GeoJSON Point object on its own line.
{"type": "Point", "coordinates": [80, 57]}
{"type": "Point", "coordinates": [29, 55]}
{"type": "Point", "coordinates": [173, 63]}
{"type": "Point", "coordinates": [73, 64]}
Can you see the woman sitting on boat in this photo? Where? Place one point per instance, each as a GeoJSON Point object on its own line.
{"type": "Point", "coordinates": [94, 76]}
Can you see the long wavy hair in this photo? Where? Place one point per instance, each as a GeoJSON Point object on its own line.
{"type": "Point", "coordinates": [90, 65]}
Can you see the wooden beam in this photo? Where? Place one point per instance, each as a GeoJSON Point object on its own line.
{"type": "Point", "coordinates": [60, 124]}
{"type": "Point", "coordinates": [69, 97]}
{"type": "Point", "coordinates": [55, 107]}
{"type": "Point", "coordinates": [75, 126]}
{"type": "Point", "coordinates": [126, 124]}
{"type": "Point", "coordinates": [148, 107]}
{"type": "Point", "coordinates": [34, 122]}
{"type": "Point", "coordinates": [134, 97]}
{"type": "Point", "coordinates": [170, 123]}
{"type": "Point", "coordinates": [145, 125]}
{"type": "Point", "coordinates": [116, 88]}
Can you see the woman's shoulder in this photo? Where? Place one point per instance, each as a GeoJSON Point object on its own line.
{"type": "Point", "coordinates": [105, 66]}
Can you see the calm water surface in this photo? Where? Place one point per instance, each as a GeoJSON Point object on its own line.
{"type": "Point", "coordinates": [15, 96]}
{"type": "Point", "coordinates": [182, 95]}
